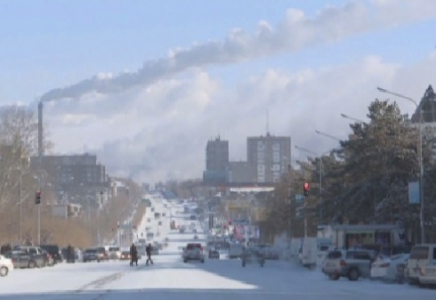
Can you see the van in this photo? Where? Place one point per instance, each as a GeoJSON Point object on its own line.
{"type": "Point", "coordinates": [309, 252]}
{"type": "Point", "coordinates": [235, 250]}
{"type": "Point", "coordinates": [420, 256]}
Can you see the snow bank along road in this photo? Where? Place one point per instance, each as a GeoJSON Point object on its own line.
{"type": "Point", "coordinates": [170, 278]}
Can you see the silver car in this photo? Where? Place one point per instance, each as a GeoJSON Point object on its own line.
{"type": "Point", "coordinates": [352, 264]}
{"type": "Point", "coordinates": [193, 251]}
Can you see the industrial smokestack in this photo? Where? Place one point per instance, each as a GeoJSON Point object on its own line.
{"type": "Point", "coordinates": [40, 132]}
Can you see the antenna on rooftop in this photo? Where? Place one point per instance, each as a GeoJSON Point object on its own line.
{"type": "Point", "coordinates": [267, 121]}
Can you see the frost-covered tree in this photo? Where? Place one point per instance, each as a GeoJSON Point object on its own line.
{"type": "Point", "coordinates": [380, 159]}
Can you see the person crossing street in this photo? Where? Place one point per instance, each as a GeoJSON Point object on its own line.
{"type": "Point", "coordinates": [148, 250]}
{"type": "Point", "coordinates": [133, 254]}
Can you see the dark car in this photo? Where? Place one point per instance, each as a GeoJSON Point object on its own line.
{"type": "Point", "coordinates": [54, 251]}
{"type": "Point", "coordinates": [193, 251]}
{"type": "Point", "coordinates": [214, 254]}
{"type": "Point", "coordinates": [252, 255]}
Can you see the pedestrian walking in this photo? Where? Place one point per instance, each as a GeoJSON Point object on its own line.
{"type": "Point", "coordinates": [148, 250]}
{"type": "Point", "coordinates": [133, 254]}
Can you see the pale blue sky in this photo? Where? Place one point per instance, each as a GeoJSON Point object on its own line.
{"type": "Point", "coordinates": [46, 44]}
{"type": "Point", "coordinates": [49, 44]}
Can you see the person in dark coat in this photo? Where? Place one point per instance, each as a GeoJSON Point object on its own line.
{"type": "Point", "coordinates": [70, 254]}
{"type": "Point", "coordinates": [148, 250]}
{"type": "Point", "coordinates": [133, 254]}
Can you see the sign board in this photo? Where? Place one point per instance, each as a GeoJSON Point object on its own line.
{"type": "Point", "coordinates": [299, 198]}
{"type": "Point", "coordinates": [414, 195]}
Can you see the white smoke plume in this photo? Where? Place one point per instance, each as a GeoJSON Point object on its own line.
{"type": "Point", "coordinates": [295, 32]}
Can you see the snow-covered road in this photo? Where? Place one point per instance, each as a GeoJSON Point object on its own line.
{"type": "Point", "coordinates": [170, 278]}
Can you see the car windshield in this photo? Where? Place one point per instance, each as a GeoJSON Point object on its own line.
{"type": "Point", "coordinates": [334, 255]}
{"type": "Point", "coordinates": [420, 252]}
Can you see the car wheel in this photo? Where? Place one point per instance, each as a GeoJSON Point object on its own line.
{"type": "Point", "coordinates": [334, 277]}
{"type": "Point", "coordinates": [243, 264]}
{"type": "Point", "coordinates": [4, 271]}
{"type": "Point", "coordinates": [353, 274]}
{"type": "Point", "coordinates": [32, 265]}
{"type": "Point", "coordinates": [202, 261]}
{"type": "Point", "coordinates": [185, 260]}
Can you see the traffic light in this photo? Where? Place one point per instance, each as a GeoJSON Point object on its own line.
{"type": "Point", "coordinates": [38, 197]}
{"type": "Point", "coordinates": [306, 189]}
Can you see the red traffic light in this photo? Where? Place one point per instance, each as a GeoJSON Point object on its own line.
{"type": "Point", "coordinates": [306, 186]}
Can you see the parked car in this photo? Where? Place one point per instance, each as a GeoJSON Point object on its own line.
{"type": "Point", "coordinates": [427, 276]}
{"type": "Point", "coordinates": [352, 264]}
{"type": "Point", "coordinates": [390, 269]}
{"type": "Point", "coordinates": [24, 259]}
{"type": "Point", "coordinates": [6, 265]}
{"type": "Point", "coordinates": [252, 255]}
{"type": "Point", "coordinates": [379, 268]}
{"type": "Point", "coordinates": [54, 251]}
{"type": "Point", "coordinates": [420, 257]}
{"type": "Point", "coordinates": [41, 257]}
{"type": "Point", "coordinates": [193, 251]}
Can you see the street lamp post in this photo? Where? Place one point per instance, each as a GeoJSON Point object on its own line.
{"type": "Point", "coordinates": [328, 135]}
{"type": "Point", "coordinates": [420, 160]}
{"type": "Point", "coordinates": [353, 119]}
{"type": "Point", "coordinates": [20, 194]}
{"type": "Point", "coordinates": [39, 214]}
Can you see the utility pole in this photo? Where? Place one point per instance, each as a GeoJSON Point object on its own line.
{"type": "Point", "coordinates": [20, 196]}
{"type": "Point", "coordinates": [39, 214]}
{"type": "Point", "coordinates": [321, 204]}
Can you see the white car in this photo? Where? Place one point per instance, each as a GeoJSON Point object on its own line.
{"type": "Point", "coordinates": [427, 275]}
{"type": "Point", "coordinates": [6, 266]}
{"type": "Point", "coordinates": [395, 271]}
{"type": "Point", "coordinates": [379, 268]}
{"type": "Point", "coordinates": [114, 252]}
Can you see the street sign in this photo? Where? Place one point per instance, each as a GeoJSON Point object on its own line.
{"type": "Point", "coordinates": [299, 198]}
{"type": "Point", "coordinates": [414, 195]}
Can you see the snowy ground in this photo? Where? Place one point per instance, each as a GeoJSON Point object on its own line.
{"type": "Point", "coordinates": [170, 278]}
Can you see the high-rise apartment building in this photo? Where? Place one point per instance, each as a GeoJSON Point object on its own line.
{"type": "Point", "coordinates": [217, 161]}
{"type": "Point", "coordinates": [269, 156]}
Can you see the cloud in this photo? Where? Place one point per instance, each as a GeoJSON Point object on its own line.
{"type": "Point", "coordinates": [164, 129]}
{"type": "Point", "coordinates": [154, 124]}
{"type": "Point", "coordinates": [296, 31]}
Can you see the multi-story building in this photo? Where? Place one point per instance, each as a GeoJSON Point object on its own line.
{"type": "Point", "coordinates": [269, 156]}
{"type": "Point", "coordinates": [72, 170]}
{"type": "Point", "coordinates": [217, 161]}
{"type": "Point", "coordinates": [76, 179]}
